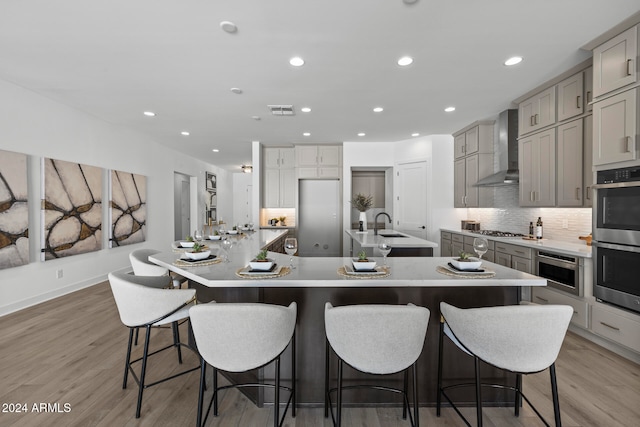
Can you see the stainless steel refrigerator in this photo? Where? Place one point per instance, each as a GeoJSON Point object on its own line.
{"type": "Point", "coordinates": [319, 218]}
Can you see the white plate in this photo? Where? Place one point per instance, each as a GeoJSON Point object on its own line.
{"type": "Point", "coordinates": [379, 270]}
{"type": "Point", "coordinates": [453, 270]}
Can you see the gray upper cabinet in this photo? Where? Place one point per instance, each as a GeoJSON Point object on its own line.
{"type": "Point", "coordinates": [319, 161]}
{"type": "Point", "coordinates": [537, 160]}
{"type": "Point", "coordinates": [588, 161]}
{"type": "Point", "coordinates": [588, 88]}
{"type": "Point", "coordinates": [278, 158]}
{"type": "Point", "coordinates": [570, 164]}
{"type": "Point", "coordinates": [473, 147]}
{"type": "Point", "coordinates": [570, 97]}
{"type": "Point", "coordinates": [615, 63]}
{"type": "Point", "coordinates": [614, 128]}
{"type": "Point", "coordinates": [537, 112]}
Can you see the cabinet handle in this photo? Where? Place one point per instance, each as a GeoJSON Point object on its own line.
{"type": "Point", "coordinates": [578, 102]}
{"type": "Point", "coordinates": [535, 120]}
{"type": "Point", "coordinates": [519, 252]}
{"type": "Point", "coordinates": [629, 67]}
{"type": "Point", "coordinates": [542, 299]}
{"type": "Point", "coordinates": [531, 196]}
{"type": "Point", "coordinates": [609, 326]}
{"type": "Point", "coordinates": [629, 144]}
{"type": "Point", "coordinates": [531, 121]}
{"type": "Point", "coordinates": [588, 195]}
{"type": "Point", "coordinates": [588, 96]}
{"type": "Point", "coordinates": [578, 193]}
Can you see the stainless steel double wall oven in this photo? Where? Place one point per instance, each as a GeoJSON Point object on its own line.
{"type": "Point", "coordinates": [616, 237]}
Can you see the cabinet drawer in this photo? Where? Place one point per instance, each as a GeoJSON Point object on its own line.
{"type": "Point", "coordinates": [515, 250]}
{"type": "Point", "coordinates": [615, 327]}
{"type": "Point", "coordinates": [445, 235]}
{"type": "Point", "coordinates": [548, 296]}
{"type": "Point", "coordinates": [457, 238]}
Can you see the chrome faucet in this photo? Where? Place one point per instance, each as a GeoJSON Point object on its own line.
{"type": "Point", "coordinates": [375, 222]}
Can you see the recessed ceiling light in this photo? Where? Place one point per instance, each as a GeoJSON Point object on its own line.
{"type": "Point", "coordinates": [306, 134]}
{"type": "Point", "coordinates": [378, 110]}
{"type": "Point", "coordinates": [305, 109]}
{"type": "Point", "coordinates": [405, 60]}
{"type": "Point", "coordinates": [228, 26]}
{"type": "Point", "coordinates": [415, 134]}
{"type": "Point", "coordinates": [184, 133]}
{"type": "Point", "coordinates": [513, 60]}
{"type": "Point", "coordinates": [149, 113]}
{"type": "Point", "coordinates": [296, 61]}
{"type": "Point", "coordinates": [236, 90]}
{"type": "Point", "coordinates": [450, 109]}
{"type": "Point", "coordinates": [361, 134]}
{"type": "Point", "coordinates": [215, 150]}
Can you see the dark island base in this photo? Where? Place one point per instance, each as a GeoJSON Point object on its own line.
{"type": "Point", "coordinates": [311, 343]}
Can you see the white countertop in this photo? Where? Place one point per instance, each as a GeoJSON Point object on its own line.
{"type": "Point", "coordinates": [556, 246]}
{"type": "Point", "coordinates": [369, 240]}
{"type": "Point", "coordinates": [322, 271]}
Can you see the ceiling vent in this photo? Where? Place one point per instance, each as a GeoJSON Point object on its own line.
{"type": "Point", "coordinates": [281, 110]}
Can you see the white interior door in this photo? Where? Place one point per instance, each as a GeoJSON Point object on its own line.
{"type": "Point", "coordinates": [411, 199]}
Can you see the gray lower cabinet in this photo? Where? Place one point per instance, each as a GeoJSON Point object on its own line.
{"type": "Point", "coordinates": [514, 256]}
{"type": "Point", "coordinates": [445, 244]}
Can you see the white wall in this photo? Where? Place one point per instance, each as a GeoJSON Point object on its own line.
{"type": "Point", "coordinates": [40, 128]}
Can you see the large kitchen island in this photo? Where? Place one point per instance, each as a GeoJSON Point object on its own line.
{"type": "Point", "coordinates": [315, 281]}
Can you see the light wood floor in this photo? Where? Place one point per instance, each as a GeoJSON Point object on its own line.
{"type": "Point", "coordinates": [71, 351]}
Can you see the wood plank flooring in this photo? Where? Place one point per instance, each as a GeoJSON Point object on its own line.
{"type": "Point", "coordinates": [70, 351]}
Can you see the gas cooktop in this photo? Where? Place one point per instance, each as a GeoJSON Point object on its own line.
{"type": "Point", "coordinates": [496, 233]}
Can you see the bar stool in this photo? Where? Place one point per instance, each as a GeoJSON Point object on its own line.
{"type": "Point", "coordinates": [240, 337]}
{"type": "Point", "coordinates": [141, 265]}
{"type": "Point", "coordinates": [375, 339]}
{"type": "Point", "coordinates": [523, 339]}
{"type": "Point", "coordinates": [141, 303]}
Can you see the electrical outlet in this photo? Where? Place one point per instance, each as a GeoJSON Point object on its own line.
{"type": "Point", "coordinates": [565, 223]}
{"type": "Point", "coordinates": [59, 274]}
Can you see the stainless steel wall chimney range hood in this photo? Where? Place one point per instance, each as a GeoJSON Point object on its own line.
{"type": "Point", "coordinates": [507, 152]}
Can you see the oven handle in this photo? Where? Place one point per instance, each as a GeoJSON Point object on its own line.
{"type": "Point", "coordinates": [617, 185]}
{"type": "Point", "coordinates": [625, 248]}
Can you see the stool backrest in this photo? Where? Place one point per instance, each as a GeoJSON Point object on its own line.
{"type": "Point", "coordinates": [142, 266]}
{"type": "Point", "coordinates": [378, 339]}
{"type": "Point", "coordinates": [237, 337]}
{"type": "Point", "coordinates": [518, 338]}
{"type": "Point", "coordinates": [141, 299]}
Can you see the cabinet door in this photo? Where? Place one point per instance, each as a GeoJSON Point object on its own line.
{"type": "Point", "coordinates": [271, 188]}
{"type": "Point", "coordinates": [546, 108]}
{"type": "Point", "coordinates": [526, 116]}
{"type": "Point", "coordinates": [521, 264]}
{"type": "Point", "coordinates": [471, 177]}
{"type": "Point", "coordinates": [329, 172]}
{"type": "Point", "coordinates": [459, 146]}
{"type": "Point", "coordinates": [587, 180]}
{"type": "Point", "coordinates": [588, 88]}
{"type": "Point", "coordinates": [503, 259]}
{"type": "Point", "coordinates": [272, 158]}
{"type": "Point", "coordinates": [329, 155]}
{"type": "Point", "coordinates": [614, 128]}
{"type": "Point", "coordinates": [306, 155]}
{"type": "Point", "coordinates": [570, 98]}
{"type": "Point", "coordinates": [546, 179]}
{"type": "Point", "coordinates": [614, 62]}
{"type": "Point", "coordinates": [459, 183]}
{"type": "Point", "coordinates": [307, 172]}
{"type": "Point", "coordinates": [287, 158]}
{"type": "Point", "coordinates": [527, 163]}
{"type": "Point", "coordinates": [445, 247]}
{"type": "Point", "coordinates": [471, 140]}
{"type": "Point", "coordinates": [570, 163]}
{"type": "Point", "coordinates": [288, 188]}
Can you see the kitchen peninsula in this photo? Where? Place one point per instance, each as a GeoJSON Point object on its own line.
{"type": "Point", "coordinates": [404, 245]}
{"type": "Point", "coordinates": [315, 281]}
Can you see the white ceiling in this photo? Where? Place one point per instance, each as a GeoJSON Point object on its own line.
{"type": "Point", "coordinates": [115, 59]}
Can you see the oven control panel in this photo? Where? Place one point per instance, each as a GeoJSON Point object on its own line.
{"type": "Point", "coordinates": [619, 175]}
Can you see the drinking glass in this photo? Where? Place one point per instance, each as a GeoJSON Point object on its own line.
{"type": "Point", "coordinates": [222, 229]}
{"type": "Point", "coordinates": [198, 235]}
{"type": "Point", "coordinates": [481, 246]}
{"type": "Point", "coordinates": [291, 247]}
{"type": "Point", "coordinates": [384, 247]}
{"type": "Point", "coordinates": [226, 247]}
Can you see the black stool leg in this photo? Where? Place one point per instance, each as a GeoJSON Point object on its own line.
{"type": "Point", "coordinates": [215, 391]}
{"type": "Point", "coordinates": [144, 369]}
{"type": "Point", "coordinates": [176, 340]}
{"type": "Point", "coordinates": [276, 398]}
{"type": "Point", "coordinates": [478, 392]}
{"type": "Point", "coordinates": [326, 380]}
{"type": "Point", "coordinates": [293, 374]}
{"type": "Point", "coordinates": [415, 394]}
{"type": "Point", "coordinates": [518, 395]}
{"type": "Point", "coordinates": [405, 389]}
{"type": "Point", "coordinates": [137, 333]}
{"type": "Point", "coordinates": [128, 359]}
{"type": "Point", "coordinates": [203, 380]}
{"type": "Point", "coordinates": [339, 408]}
{"type": "Point", "coordinates": [439, 394]}
{"type": "Point", "coordinates": [554, 393]}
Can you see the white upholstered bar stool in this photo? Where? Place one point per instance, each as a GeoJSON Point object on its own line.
{"type": "Point", "coordinates": [141, 265]}
{"type": "Point", "coordinates": [142, 303]}
{"type": "Point", "coordinates": [376, 339]}
{"type": "Point", "coordinates": [523, 339]}
{"type": "Point", "coordinates": [239, 337]}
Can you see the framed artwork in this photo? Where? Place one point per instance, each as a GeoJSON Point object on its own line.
{"type": "Point", "coordinates": [128, 208]}
{"type": "Point", "coordinates": [72, 209]}
{"type": "Point", "coordinates": [210, 181]}
{"type": "Point", "coordinates": [14, 210]}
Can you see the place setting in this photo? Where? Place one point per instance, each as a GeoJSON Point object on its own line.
{"type": "Point", "coordinates": [468, 266]}
{"type": "Point", "coordinates": [263, 267]}
{"type": "Point", "coordinates": [364, 267]}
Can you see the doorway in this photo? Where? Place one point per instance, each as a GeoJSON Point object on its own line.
{"type": "Point", "coordinates": [182, 205]}
{"type": "Point", "coordinates": [412, 213]}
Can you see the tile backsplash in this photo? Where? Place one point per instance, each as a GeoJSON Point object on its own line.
{"type": "Point", "coordinates": [565, 224]}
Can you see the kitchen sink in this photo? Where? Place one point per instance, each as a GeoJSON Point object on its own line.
{"type": "Point", "coordinates": [383, 234]}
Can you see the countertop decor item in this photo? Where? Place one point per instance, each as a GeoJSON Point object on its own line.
{"type": "Point", "coordinates": [363, 204]}
{"type": "Point", "coordinates": [587, 239]}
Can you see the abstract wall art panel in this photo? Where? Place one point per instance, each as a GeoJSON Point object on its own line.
{"type": "Point", "coordinates": [72, 209]}
{"type": "Point", "coordinates": [128, 208]}
{"type": "Point", "coordinates": [14, 210]}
